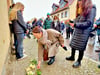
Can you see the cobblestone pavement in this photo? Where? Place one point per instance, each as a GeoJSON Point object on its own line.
{"type": "Point", "coordinates": [60, 66]}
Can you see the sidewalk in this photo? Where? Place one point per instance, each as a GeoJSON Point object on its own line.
{"type": "Point", "coordinates": [60, 66]}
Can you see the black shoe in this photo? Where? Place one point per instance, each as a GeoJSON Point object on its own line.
{"type": "Point", "coordinates": [77, 64]}
{"type": "Point", "coordinates": [70, 58]}
{"type": "Point", "coordinates": [51, 61]}
{"type": "Point", "coordinates": [97, 50]}
{"type": "Point", "coordinates": [99, 66]}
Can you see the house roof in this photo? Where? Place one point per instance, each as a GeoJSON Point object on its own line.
{"type": "Point", "coordinates": [65, 7]}
{"type": "Point", "coordinates": [59, 9]}
{"type": "Point", "coordinates": [64, 0]}
{"type": "Point", "coordinates": [55, 5]}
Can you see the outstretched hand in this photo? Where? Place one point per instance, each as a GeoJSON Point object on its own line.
{"type": "Point", "coordinates": [38, 66]}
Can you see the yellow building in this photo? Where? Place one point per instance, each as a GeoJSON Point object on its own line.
{"type": "Point", "coordinates": [65, 10]}
{"type": "Point", "coordinates": [4, 34]}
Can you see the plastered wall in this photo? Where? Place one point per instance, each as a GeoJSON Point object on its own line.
{"type": "Point", "coordinates": [4, 33]}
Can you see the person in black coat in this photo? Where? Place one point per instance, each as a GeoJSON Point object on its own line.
{"type": "Point", "coordinates": [34, 22]}
{"type": "Point", "coordinates": [39, 22]}
{"type": "Point", "coordinates": [56, 24]}
{"type": "Point", "coordinates": [83, 24]}
{"type": "Point", "coordinates": [68, 29]}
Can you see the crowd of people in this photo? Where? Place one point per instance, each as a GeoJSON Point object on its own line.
{"type": "Point", "coordinates": [49, 32]}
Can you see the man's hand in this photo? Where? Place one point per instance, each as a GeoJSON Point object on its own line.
{"type": "Point", "coordinates": [64, 47]}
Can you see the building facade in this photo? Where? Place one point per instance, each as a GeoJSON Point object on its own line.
{"type": "Point", "coordinates": [65, 10]}
{"type": "Point", "coordinates": [4, 34]}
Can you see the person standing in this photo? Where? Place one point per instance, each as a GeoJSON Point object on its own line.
{"type": "Point", "coordinates": [68, 29]}
{"type": "Point", "coordinates": [34, 22]}
{"type": "Point", "coordinates": [39, 22]}
{"type": "Point", "coordinates": [49, 40]}
{"type": "Point", "coordinates": [19, 25]}
{"type": "Point", "coordinates": [62, 27]}
{"type": "Point", "coordinates": [29, 27]}
{"type": "Point", "coordinates": [56, 24]}
{"type": "Point", "coordinates": [12, 30]}
{"type": "Point", "coordinates": [47, 22]}
{"type": "Point", "coordinates": [97, 27]}
{"type": "Point", "coordinates": [82, 26]}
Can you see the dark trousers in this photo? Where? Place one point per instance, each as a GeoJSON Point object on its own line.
{"type": "Point", "coordinates": [67, 35]}
{"type": "Point", "coordinates": [99, 39]}
{"type": "Point", "coordinates": [80, 56]}
{"type": "Point", "coordinates": [15, 41]}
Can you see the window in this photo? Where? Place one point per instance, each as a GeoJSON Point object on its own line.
{"type": "Point", "coordinates": [65, 13]}
{"type": "Point", "coordinates": [54, 9]}
{"type": "Point", "coordinates": [62, 3]}
{"type": "Point", "coordinates": [58, 15]}
{"type": "Point", "coordinates": [61, 15]}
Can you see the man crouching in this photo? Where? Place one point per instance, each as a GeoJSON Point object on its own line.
{"type": "Point", "coordinates": [49, 40]}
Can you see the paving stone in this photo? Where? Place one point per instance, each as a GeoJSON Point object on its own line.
{"type": "Point", "coordinates": [59, 67]}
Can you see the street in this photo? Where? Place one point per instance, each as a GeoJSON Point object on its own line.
{"type": "Point", "coordinates": [59, 67]}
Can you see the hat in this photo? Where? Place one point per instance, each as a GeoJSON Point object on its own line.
{"type": "Point", "coordinates": [41, 19]}
{"type": "Point", "coordinates": [48, 13]}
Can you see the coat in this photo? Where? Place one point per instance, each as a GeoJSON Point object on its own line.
{"type": "Point", "coordinates": [82, 29]}
{"type": "Point", "coordinates": [39, 23]}
{"type": "Point", "coordinates": [62, 26]}
{"type": "Point", "coordinates": [57, 27]}
{"type": "Point", "coordinates": [68, 28]}
{"type": "Point", "coordinates": [19, 24]}
{"type": "Point", "coordinates": [50, 41]}
{"type": "Point", "coordinates": [47, 23]}
{"type": "Point", "coordinates": [98, 26]}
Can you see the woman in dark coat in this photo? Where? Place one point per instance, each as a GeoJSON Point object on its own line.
{"type": "Point", "coordinates": [56, 24]}
{"type": "Point", "coordinates": [19, 27]}
{"type": "Point", "coordinates": [83, 24]}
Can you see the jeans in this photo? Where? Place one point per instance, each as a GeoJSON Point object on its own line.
{"type": "Point", "coordinates": [99, 39]}
{"type": "Point", "coordinates": [19, 51]}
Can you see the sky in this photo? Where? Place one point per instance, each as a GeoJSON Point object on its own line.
{"type": "Point", "coordinates": [39, 8]}
{"type": "Point", "coordinates": [36, 8]}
